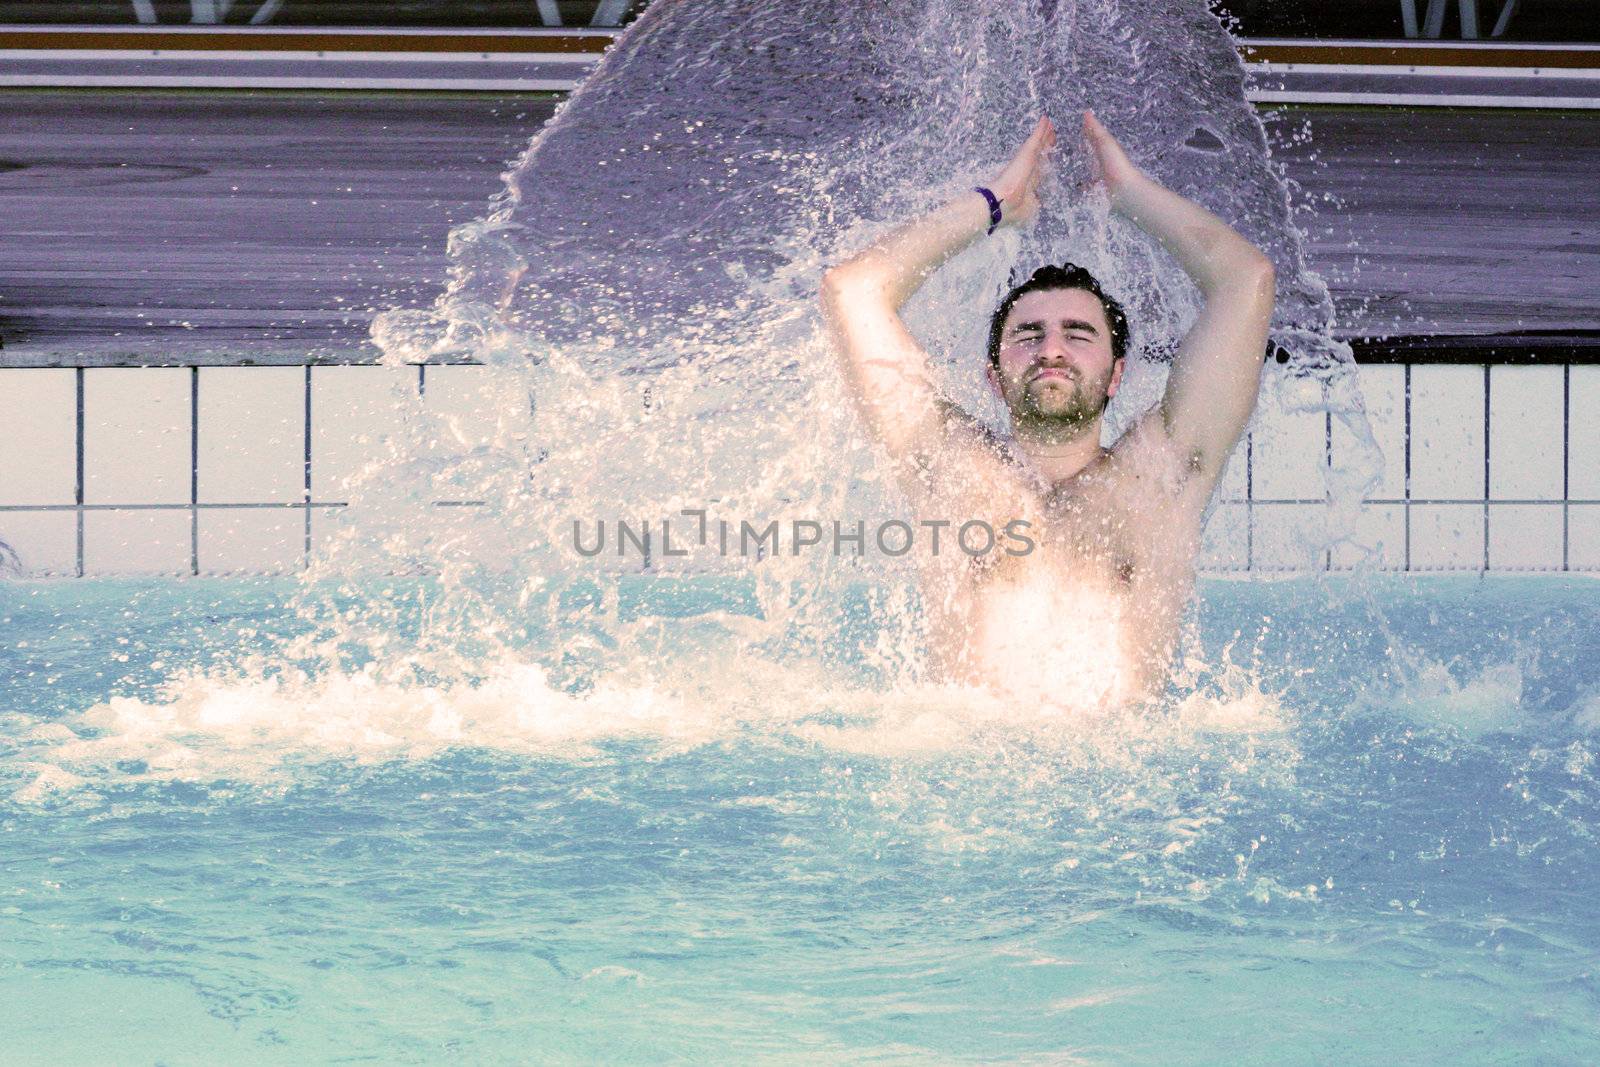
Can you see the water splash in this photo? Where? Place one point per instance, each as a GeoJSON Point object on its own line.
{"type": "Point", "coordinates": [644, 287]}
{"type": "Point", "coordinates": [218, 726]}
{"type": "Point", "coordinates": [722, 147]}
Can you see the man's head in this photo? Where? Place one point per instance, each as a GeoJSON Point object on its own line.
{"type": "Point", "coordinates": [1056, 348]}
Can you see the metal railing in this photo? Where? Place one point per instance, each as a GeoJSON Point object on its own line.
{"type": "Point", "coordinates": [209, 12]}
{"type": "Point", "coordinates": [1569, 22]}
{"type": "Point", "coordinates": [548, 13]}
{"type": "Point", "coordinates": [1432, 23]}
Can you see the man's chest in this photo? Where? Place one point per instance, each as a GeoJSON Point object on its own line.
{"type": "Point", "coordinates": [1110, 532]}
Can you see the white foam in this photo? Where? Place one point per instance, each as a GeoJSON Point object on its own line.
{"type": "Point", "coordinates": [1481, 701]}
{"type": "Point", "coordinates": [1586, 713]}
{"type": "Point", "coordinates": [208, 727]}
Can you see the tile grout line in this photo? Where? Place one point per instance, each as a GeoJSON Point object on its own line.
{"type": "Point", "coordinates": [79, 459]}
{"type": "Point", "coordinates": [194, 471]}
{"type": "Point", "coordinates": [1327, 467]}
{"type": "Point", "coordinates": [1428, 501]}
{"type": "Point", "coordinates": [1249, 501]}
{"type": "Point", "coordinates": [305, 558]}
{"type": "Point", "coordinates": [1264, 502]}
{"type": "Point", "coordinates": [1487, 377]}
{"type": "Point", "coordinates": [239, 505]}
{"type": "Point", "coordinates": [1566, 467]}
{"type": "Point", "coordinates": [1406, 510]}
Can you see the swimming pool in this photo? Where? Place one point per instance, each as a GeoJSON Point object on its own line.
{"type": "Point", "coordinates": [1360, 828]}
{"type": "Point", "coordinates": [533, 810]}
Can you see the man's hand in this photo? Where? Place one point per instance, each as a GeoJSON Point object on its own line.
{"type": "Point", "coordinates": [1018, 184]}
{"type": "Point", "coordinates": [1216, 371]}
{"type": "Point", "coordinates": [1115, 168]}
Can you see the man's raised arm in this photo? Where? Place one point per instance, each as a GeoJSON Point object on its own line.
{"type": "Point", "coordinates": [886, 367]}
{"type": "Point", "coordinates": [1216, 372]}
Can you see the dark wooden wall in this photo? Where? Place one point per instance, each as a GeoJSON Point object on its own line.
{"type": "Point", "coordinates": [143, 226]}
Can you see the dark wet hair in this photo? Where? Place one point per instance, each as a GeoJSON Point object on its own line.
{"type": "Point", "coordinates": [1066, 276]}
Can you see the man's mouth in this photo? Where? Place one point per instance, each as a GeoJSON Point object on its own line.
{"type": "Point", "coordinates": [1051, 374]}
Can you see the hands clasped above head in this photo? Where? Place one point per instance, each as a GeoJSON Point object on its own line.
{"type": "Point", "coordinates": [1017, 185]}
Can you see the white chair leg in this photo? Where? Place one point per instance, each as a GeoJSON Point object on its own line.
{"type": "Point", "coordinates": [144, 11]}
{"type": "Point", "coordinates": [1469, 20]}
{"type": "Point", "coordinates": [609, 13]}
{"type": "Point", "coordinates": [1504, 20]}
{"type": "Point", "coordinates": [1433, 24]}
{"type": "Point", "coordinates": [1408, 17]}
{"type": "Point", "coordinates": [265, 12]}
{"type": "Point", "coordinates": [549, 14]}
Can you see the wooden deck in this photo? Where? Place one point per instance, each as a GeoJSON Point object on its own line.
{"type": "Point", "coordinates": [217, 227]}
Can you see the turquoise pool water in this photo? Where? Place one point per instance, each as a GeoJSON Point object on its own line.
{"type": "Point", "coordinates": [1361, 829]}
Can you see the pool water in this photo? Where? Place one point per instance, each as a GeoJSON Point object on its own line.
{"type": "Point", "coordinates": [1360, 828]}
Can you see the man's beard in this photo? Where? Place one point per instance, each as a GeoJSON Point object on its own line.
{"type": "Point", "coordinates": [1087, 402]}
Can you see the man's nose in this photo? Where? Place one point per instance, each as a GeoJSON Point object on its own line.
{"type": "Point", "coordinates": [1053, 350]}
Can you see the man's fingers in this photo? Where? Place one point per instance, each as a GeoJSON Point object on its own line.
{"type": "Point", "coordinates": [1041, 141]}
{"type": "Point", "coordinates": [1043, 133]}
{"type": "Point", "coordinates": [1096, 132]}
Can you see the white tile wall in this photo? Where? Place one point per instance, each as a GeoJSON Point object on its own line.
{"type": "Point", "coordinates": [1447, 438]}
{"type": "Point", "coordinates": [1525, 450]}
{"type": "Point", "coordinates": [346, 538]}
{"type": "Point", "coordinates": [252, 439]}
{"type": "Point", "coordinates": [1525, 536]}
{"type": "Point", "coordinates": [39, 413]}
{"type": "Point", "coordinates": [1223, 544]}
{"type": "Point", "coordinates": [1447, 536]}
{"type": "Point", "coordinates": [326, 524]}
{"type": "Point", "coordinates": [1584, 443]}
{"type": "Point", "coordinates": [466, 403]}
{"type": "Point", "coordinates": [1583, 546]}
{"type": "Point", "coordinates": [1289, 536]}
{"type": "Point", "coordinates": [136, 444]}
{"type": "Point", "coordinates": [1379, 539]}
{"type": "Point", "coordinates": [252, 435]}
{"type": "Point", "coordinates": [355, 413]}
{"type": "Point", "coordinates": [121, 542]}
{"type": "Point", "coordinates": [1235, 481]}
{"type": "Point", "coordinates": [1383, 391]}
{"type": "Point", "coordinates": [251, 540]}
{"type": "Point", "coordinates": [1289, 452]}
{"type": "Point", "coordinates": [46, 542]}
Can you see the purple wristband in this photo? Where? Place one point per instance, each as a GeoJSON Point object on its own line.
{"type": "Point", "coordinates": [994, 208]}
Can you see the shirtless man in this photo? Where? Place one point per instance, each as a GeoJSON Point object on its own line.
{"type": "Point", "coordinates": [1090, 616]}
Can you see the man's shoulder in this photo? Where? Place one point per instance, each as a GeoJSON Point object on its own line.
{"type": "Point", "coordinates": [961, 427]}
{"type": "Point", "coordinates": [1146, 434]}
{"type": "Point", "coordinates": [1148, 447]}
{"type": "Point", "coordinates": [967, 464]}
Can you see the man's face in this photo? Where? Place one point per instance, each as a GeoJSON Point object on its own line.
{"type": "Point", "coordinates": [1055, 363]}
